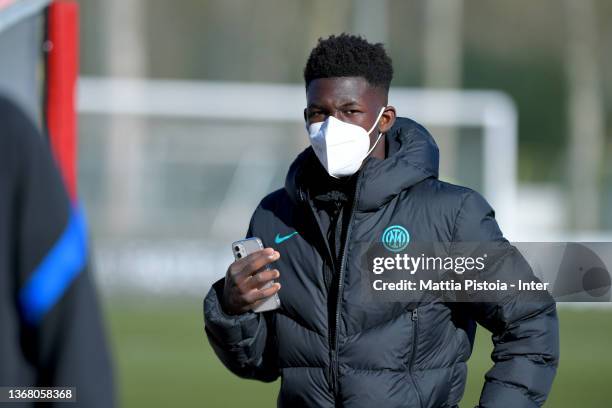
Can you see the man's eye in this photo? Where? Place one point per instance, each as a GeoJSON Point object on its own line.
{"type": "Point", "coordinates": [351, 112]}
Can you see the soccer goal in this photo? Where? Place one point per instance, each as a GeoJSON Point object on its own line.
{"type": "Point", "coordinates": [172, 170]}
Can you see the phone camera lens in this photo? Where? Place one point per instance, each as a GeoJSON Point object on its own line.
{"type": "Point", "coordinates": [236, 248]}
{"type": "Point", "coordinates": [238, 255]}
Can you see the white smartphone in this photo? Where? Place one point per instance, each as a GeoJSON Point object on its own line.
{"type": "Point", "coordinates": [245, 247]}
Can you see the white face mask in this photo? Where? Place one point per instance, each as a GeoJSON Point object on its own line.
{"type": "Point", "coordinates": [340, 146]}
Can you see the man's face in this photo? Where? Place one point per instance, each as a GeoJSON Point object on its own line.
{"type": "Point", "coordinates": [352, 100]}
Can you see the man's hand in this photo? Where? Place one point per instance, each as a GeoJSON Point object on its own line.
{"type": "Point", "coordinates": [245, 279]}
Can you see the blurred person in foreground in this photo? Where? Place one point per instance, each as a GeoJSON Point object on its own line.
{"type": "Point", "coordinates": [51, 331]}
{"type": "Point", "coordinates": [366, 170]}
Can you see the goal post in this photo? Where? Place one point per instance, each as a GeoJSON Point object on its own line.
{"type": "Point", "coordinates": [492, 111]}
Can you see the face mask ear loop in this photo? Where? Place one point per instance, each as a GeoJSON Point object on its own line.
{"type": "Point", "coordinates": [377, 119]}
{"type": "Point", "coordinates": [374, 145]}
{"type": "Point", "coordinates": [379, 133]}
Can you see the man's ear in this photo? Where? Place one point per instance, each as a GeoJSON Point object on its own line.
{"type": "Point", "coordinates": [305, 117]}
{"type": "Point", "coordinates": [387, 119]}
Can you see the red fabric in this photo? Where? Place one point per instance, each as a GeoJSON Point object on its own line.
{"type": "Point", "coordinates": [62, 71]}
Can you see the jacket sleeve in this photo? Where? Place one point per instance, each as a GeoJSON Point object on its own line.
{"type": "Point", "coordinates": [62, 333]}
{"type": "Point", "coordinates": [524, 327]}
{"type": "Point", "coordinates": [243, 343]}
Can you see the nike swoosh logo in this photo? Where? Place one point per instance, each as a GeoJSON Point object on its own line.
{"type": "Point", "coordinates": [278, 239]}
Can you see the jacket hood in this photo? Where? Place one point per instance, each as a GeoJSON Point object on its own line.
{"type": "Point", "coordinates": [413, 157]}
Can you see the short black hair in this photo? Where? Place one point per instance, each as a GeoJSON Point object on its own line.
{"type": "Point", "coordinates": [347, 55]}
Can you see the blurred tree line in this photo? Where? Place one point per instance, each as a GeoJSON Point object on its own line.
{"type": "Point", "coordinates": [519, 47]}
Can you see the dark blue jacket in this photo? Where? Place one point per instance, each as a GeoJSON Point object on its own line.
{"type": "Point", "coordinates": [51, 328]}
{"type": "Point", "coordinates": [332, 349]}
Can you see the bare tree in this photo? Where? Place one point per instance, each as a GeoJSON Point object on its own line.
{"type": "Point", "coordinates": [585, 112]}
{"type": "Point", "coordinates": [443, 63]}
{"type": "Point", "coordinates": [126, 57]}
{"type": "Point", "coordinates": [371, 19]}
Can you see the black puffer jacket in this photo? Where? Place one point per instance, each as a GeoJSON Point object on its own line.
{"type": "Point", "coordinates": [331, 349]}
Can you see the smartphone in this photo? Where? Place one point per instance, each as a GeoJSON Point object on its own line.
{"type": "Point", "coordinates": [245, 247]}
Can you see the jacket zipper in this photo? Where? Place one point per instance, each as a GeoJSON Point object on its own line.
{"type": "Point", "coordinates": [335, 362]}
{"type": "Point", "coordinates": [415, 338]}
{"type": "Point", "coordinates": [334, 366]}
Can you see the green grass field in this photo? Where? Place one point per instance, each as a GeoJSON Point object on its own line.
{"type": "Point", "coordinates": [162, 359]}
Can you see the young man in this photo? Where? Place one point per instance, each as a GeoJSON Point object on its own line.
{"type": "Point", "coordinates": [365, 171]}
